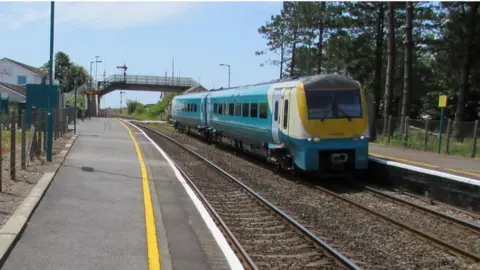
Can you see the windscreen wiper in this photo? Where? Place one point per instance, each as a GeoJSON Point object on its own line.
{"type": "Point", "coordinates": [324, 116]}
{"type": "Point", "coordinates": [344, 113]}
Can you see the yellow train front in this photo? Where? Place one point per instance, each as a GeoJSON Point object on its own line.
{"type": "Point", "coordinates": [326, 130]}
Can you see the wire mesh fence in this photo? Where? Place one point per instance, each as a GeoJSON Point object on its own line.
{"type": "Point", "coordinates": [22, 142]}
{"type": "Point", "coordinates": [454, 138]}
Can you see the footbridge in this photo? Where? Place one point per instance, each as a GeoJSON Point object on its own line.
{"type": "Point", "coordinates": [140, 83]}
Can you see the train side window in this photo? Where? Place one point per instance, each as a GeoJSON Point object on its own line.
{"type": "Point", "coordinates": [263, 110]}
{"type": "Point", "coordinates": [195, 107]}
{"type": "Point", "coordinates": [276, 110]}
{"type": "Point", "coordinates": [215, 108]}
{"type": "Point", "coordinates": [220, 109]}
{"type": "Point", "coordinates": [254, 110]}
{"type": "Point", "coordinates": [285, 114]}
{"type": "Point", "coordinates": [245, 110]}
{"type": "Point", "coordinates": [238, 109]}
{"type": "Point", "coordinates": [231, 107]}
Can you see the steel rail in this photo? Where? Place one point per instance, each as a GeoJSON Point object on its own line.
{"type": "Point", "coordinates": [451, 219]}
{"type": "Point", "coordinates": [317, 241]}
{"type": "Point", "coordinates": [429, 237]}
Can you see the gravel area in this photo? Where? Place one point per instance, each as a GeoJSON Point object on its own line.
{"type": "Point", "coordinates": [442, 208]}
{"type": "Point", "coordinates": [456, 235]}
{"type": "Point", "coordinates": [14, 191]}
{"type": "Point", "coordinates": [370, 242]}
{"type": "Point", "coordinates": [269, 240]}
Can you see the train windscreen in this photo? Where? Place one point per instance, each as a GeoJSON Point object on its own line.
{"type": "Point", "coordinates": [329, 104]}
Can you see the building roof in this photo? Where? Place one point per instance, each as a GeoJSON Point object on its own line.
{"type": "Point", "coordinates": [27, 67]}
{"type": "Point", "coordinates": [17, 88]}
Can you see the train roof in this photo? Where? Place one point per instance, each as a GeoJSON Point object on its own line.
{"type": "Point", "coordinates": [314, 82]}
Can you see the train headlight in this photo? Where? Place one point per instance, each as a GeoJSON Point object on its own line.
{"type": "Point", "coordinates": [309, 139]}
{"type": "Point", "coordinates": [357, 137]}
{"type": "Point", "coordinates": [315, 139]}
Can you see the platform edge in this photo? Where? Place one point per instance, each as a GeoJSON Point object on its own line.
{"type": "Point", "coordinates": [17, 222]}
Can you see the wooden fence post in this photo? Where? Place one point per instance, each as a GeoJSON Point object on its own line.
{"type": "Point", "coordinates": [24, 142]}
{"type": "Point", "coordinates": [13, 132]}
{"type": "Point", "coordinates": [425, 140]}
{"type": "Point", "coordinates": [475, 134]}
{"type": "Point", "coordinates": [447, 143]}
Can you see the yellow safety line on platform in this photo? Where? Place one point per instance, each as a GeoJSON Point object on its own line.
{"type": "Point", "coordinates": [423, 164]}
{"type": "Point", "coordinates": [152, 245]}
{"type": "Point", "coordinates": [464, 172]}
{"type": "Point", "coordinates": [403, 160]}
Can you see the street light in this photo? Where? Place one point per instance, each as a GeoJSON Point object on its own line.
{"type": "Point", "coordinates": [90, 79]}
{"type": "Point", "coordinates": [96, 77]}
{"type": "Point", "coordinates": [226, 65]}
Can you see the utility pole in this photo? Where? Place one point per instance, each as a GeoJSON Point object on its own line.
{"type": "Point", "coordinates": [226, 65]}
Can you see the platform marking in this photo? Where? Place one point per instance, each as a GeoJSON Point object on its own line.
{"type": "Point", "coordinates": [403, 160]}
{"type": "Point", "coordinates": [230, 256]}
{"type": "Point", "coordinates": [152, 245]}
{"type": "Point", "coordinates": [423, 164]}
{"type": "Point", "coordinates": [450, 176]}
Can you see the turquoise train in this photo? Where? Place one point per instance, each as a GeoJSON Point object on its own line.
{"type": "Point", "coordinates": [313, 124]}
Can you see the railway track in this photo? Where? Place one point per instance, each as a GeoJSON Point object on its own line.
{"type": "Point", "coordinates": [455, 235]}
{"type": "Point", "coordinates": [263, 236]}
{"type": "Point", "coordinates": [360, 251]}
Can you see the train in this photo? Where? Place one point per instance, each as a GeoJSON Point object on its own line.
{"type": "Point", "coordinates": [313, 124]}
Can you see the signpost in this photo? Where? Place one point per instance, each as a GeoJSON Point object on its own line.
{"type": "Point", "coordinates": [442, 103]}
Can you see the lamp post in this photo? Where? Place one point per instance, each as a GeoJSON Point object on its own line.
{"type": "Point", "coordinates": [226, 65]}
{"type": "Point", "coordinates": [96, 67]}
{"type": "Point", "coordinates": [90, 79]}
{"type": "Point", "coordinates": [49, 112]}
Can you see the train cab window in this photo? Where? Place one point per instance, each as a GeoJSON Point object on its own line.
{"type": "Point", "coordinates": [215, 108]}
{"type": "Point", "coordinates": [231, 107]}
{"type": "Point", "coordinates": [254, 110]}
{"type": "Point", "coordinates": [245, 109]}
{"type": "Point", "coordinates": [263, 110]}
{"type": "Point", "coordinates": [276, 111]}
{"type": "Point", "coordinates": [285, 114]}
{"type": "Point", "coordinates": [220, 109]}
{"type": "Point", "coordinates": [238, 109]}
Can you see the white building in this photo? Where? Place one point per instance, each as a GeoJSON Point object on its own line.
{"type": "Point", "coordinates": [15, 75]}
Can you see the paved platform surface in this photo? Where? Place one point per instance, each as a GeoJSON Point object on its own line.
{"type": "Point", "coordinates": [461, 166]}
{"type": "Point", "coordinates": [92, 216]}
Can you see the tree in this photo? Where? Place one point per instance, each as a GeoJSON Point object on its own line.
{"type": "Point", "coordinates": [390, 65]}
{"type": "Point", "coordinates": [66, 71]}
{"type": "Point", "coordinates": [407, 85]}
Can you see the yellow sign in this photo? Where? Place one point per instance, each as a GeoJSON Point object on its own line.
{"type": "Point", "coordinates": [442, 101]}
{"type": "Point", "coordinates": [90, 92]}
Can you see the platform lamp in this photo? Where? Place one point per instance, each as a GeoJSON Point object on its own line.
{"type": "Point", "coordinates": [226, 65]}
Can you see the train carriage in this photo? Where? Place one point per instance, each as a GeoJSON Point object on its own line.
{"type": "Point", "coordinates": [315, 124]}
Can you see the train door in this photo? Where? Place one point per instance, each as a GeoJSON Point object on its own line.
{"type": "Point", "coordinates": [209, 109]}
{"type": "Point", "coordinates": [202, 111]}
{"type": "Point", "coordinates": [284, 112]}
{"type": "Point", "coordinates": [276, 102]}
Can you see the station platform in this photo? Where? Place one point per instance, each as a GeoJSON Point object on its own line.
{"type": "Point", "coordinates": [97, 213]}
{"type": "Point", "coordinates": [459, 166]}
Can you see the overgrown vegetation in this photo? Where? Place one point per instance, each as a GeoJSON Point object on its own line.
{"type": "Point", "coordinates": [152, 111]}
{"type": "Point", "coordinates": [405, 54]}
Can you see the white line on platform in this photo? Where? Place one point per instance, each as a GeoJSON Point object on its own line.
{"type": "Point", "coordinates": [428, 171]}
{"type": "Point", "coordinates": [232, 259]}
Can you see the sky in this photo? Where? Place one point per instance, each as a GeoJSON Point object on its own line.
{"type": "Point", "coordinates": [145, 36]}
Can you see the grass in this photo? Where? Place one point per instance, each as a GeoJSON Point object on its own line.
{"type": "Point", "coordinates": [6, 139]}
{"type": "Point", "coordinates": [416, 140]}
